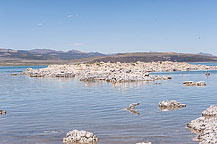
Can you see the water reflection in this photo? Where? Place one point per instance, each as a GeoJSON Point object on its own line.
{"type": "Point", "coordinates": [122, 86]}
{"type": "Point", "coordinates": [126, 85]}
{"type": "Point", "coordinates": [132, 111]}
{"type": "Point", "coordinates": [93, 83]}
{"type": "Point", "coordinates": [52, 132]}
{"type": "Point", "coordinates": [131, 108]}
{"type": "Point", "coordinates": [169, 108]}
{"type": "Point", "coordinates": [157, 83]}
{"type": "Point", "coordinates": [52, 79]}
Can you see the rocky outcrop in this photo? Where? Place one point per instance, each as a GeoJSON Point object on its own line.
{"type": "Point", "coordinates": [206, 126]}
{"type": "Point", "coordinates": [211, 111]}
{"type": "Point", "coordinates": [114, 72]}
{"type": "Point", "coordinates": [49, 72]}
{"type": "Point", "coordinates": [170, 104]}
{"type": "Point", "coordinates": [82, 137]}
{"type": "Point", "coordinates": [95, 72]}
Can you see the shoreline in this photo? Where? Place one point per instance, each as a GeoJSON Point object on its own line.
{"type": "Point", "coordinates": [204, 62]}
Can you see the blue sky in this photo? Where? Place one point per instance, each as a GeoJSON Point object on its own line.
{"type": "Point", "coordinates": [110, 26]}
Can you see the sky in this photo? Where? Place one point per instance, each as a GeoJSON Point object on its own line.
{"type": "Point", "coordinates": [110, 26]}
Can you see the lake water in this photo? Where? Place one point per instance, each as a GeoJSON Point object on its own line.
{"type": "Point", "coordinates": [43, 110]}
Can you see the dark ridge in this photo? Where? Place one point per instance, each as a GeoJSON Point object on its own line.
{"type": "Point", "coordinates": [156, 56]}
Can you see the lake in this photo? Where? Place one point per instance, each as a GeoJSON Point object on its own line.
{"type": "Point", "coordinates": [43, 110]}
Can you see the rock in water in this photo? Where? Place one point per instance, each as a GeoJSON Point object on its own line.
{"type": "Point", "coordinates": [191, 83]}
{"type": "Point", "coordinates": [14, 74]}
{"type": "Point", "coordinates": [206, 126]}
{"type": "Point", "coordinates": [132, 106]}
{"type": "Point", "coordinates": [3, 112]}
{"type": "Point", "coordinates": [188, 83]}
{"type": "Point", "coordinates": [207, 73]}
{"type": "Point", "coordinates": [201, 83]}
{"type": "Point", "coordinates": [170, 104]}
{"type": "Point", "coordinates": [82, 137]}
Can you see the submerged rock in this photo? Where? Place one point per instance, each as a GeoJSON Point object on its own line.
{"type": "Point", "coordinates": [205, 126]}
{"type": "Point", "coordinates": [170, 104]}
{"type": "Point", "coordinates": [3, 112]}
{"type": "Point", "coordinates": [82, 137]}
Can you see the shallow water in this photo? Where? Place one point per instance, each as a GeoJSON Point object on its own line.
{"type": "Point", "coordinates": [42, 110]}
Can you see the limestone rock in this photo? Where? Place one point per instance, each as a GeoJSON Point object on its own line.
{"type": "Point", "coordinates": [114, 72]}
{"type": "Point", "coordinates": [191, 83]}
{"type": "Point", "coordinates": [131, 106]}
{"type": "Point", "coordinates": [205, 126]}
{"type": "Point", "coordinates": [201, 83]}
{"type": "Point", "coordinates": [188, 83]}
{"type": "Point", "coordinates": [170, 104]}
{"type": "Point", "coordinates": [82, 137]}
{"type": "Point", "coordinates": [211, 111]}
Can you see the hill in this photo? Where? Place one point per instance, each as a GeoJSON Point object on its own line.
{"type": "Point", "coordinates": [156, 56]}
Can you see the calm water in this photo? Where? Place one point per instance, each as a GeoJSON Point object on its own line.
{"type": "Point", "coordinates": [42, 110]}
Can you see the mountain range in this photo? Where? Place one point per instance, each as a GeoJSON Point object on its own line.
{"type": "Point", "coordinates": [49, 56]}
{"type": "Point", "coordinates": [46, 54]}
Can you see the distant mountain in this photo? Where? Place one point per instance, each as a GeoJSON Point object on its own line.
{"type": "Point", "coordinates": [156, 56]}
{"type": "Point", "coordinates": [7, 50]}
{"type": "Point", "coordinates": [43, 51]}
{"type": "Point", "coordinates": [46, 54]}
{"type": "Point", "coordinates": [206, 54]}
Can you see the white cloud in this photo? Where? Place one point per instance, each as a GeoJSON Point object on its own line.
{"type": "Point", "coordinates": [72, 15]}
{"type": "Point", "coordinates": [69, 16]}
{"type": "Point", "coordinates": [77, 44]}
{"type": "Point", "coordinates": [39, 24]}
